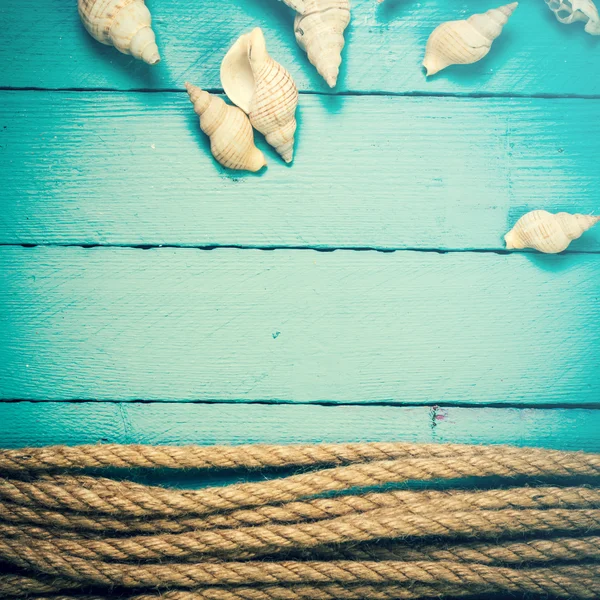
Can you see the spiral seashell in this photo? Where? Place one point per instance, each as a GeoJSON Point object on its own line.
{"type": "Point", "coordinates": [263, 89]}
{"type": "Point", "coordinates": [569, 11]}
{"type": "Point", "coordinates": [124, 24]}
{"type": "Point", "coordinates": [230, 132]}
{"type": "Point", "coordinates": [465, 42]}
{"type": "Point", "coordinates": [319, 30]}
{"type": "Point", "coordinates": [548, 232]}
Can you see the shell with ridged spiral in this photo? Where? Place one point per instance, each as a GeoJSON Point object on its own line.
{"type": "Point", "coordinates": [548, 232]}
{"type": "Point", "coordinates": [263, 89]}
{"type": "Point", "coordinates": [319, 28]}
{"type": "Point", "coordinates": [570, 11]}
{"type": "Point", "coordinates": [124, 24]}
{"type": "Point", "coordinates": [230, 132]}
{"type": "Point", "coordinates": [465, 42]}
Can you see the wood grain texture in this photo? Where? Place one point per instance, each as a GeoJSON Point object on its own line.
{"type": "Point", "coordinates": [48, 423]}
{"type": "Point", "coordinates": [379, 172]}
{"type": "Point", "coordinates": [384, 50]}
{"type": "Point", "coordinates": [346, 326]}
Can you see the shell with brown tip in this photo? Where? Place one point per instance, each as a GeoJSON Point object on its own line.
{"type": "Point", "coordinates": [230, 132]}
{"type": "Point", "coordinates": [263, 89]}
{"type": "Point", "coordinates": [548, 232]}
{"type": "Point", "coordinates": [124, 24]}
{"type": "Point", "coordinates": [319, 30]}
{"type": "Point", "coordinates": [465, 42]}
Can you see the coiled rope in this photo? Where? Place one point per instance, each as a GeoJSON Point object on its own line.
{"type": "Point", "coordinates": [68, 533]}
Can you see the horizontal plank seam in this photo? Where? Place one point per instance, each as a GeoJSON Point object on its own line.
{"type": "Point", "coordinates": [322, 403]}
{"type": "Point", "coordinates": [208, 248]}
{"type": "Point", "coordinates": [409, 94]}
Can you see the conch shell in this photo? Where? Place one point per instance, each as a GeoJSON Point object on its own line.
{"type": "Point", "coordinates": [124, 24]}
{"type": "Point", "coordinates": [319, 28]}
{"type": "Point", "coordinates": [548, 232]}
{"type": "Point", "coordinates": [465, 42]}
{"type": "Point", "coordinates": [230, 132]}
{"type": "Point", "coordinates": [263, 89]}
{"type": "Point", "coordinates": [569, 11]}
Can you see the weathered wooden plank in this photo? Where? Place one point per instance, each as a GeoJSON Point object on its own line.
{"type": "Point", "coordinates": [48, 423]}
{"type": "Point", "coordinates": [46, 46]}
{"type": "Point", "coordinates": [375, 172]}
{"type": "Point", "coordinates": [346, 326]}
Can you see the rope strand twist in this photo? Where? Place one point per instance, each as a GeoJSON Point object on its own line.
{"type": "Point", "coordinates": [69, 533]}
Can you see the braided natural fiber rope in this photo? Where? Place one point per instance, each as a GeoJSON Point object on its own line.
{"type": "Point", "coordinates": [564, 581]}
{"type": "Point", "coordinates": [87, 494]}
{"type": "Point", "coordinates": [71, 531]}
{"type": "Point", "coordinates": [257, 456]}
{"type": "Point", "coordinates": [213, 457]}
{"type": "Point", "coordinates": [408, 501]}
{"type": "Point", "coordinates": [14, 585]}
{"type": "Point", "coordinates": [297, 592]}
{"type": "Point", "coordinates": [313, 510]}
{"type": "Point", "coordinates": [580, 549]}
{"type": "Point", "coordinates": [246, 542]}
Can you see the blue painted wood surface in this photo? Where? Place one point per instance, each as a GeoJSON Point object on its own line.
{"type": "Point", "coordinates": [299, 326]}
{"type": "Point", "coordinates": [48, 48]}
{"type": "Point", "coordinates": [119, 168]}
{"type": "Point", "coordinates": [50, 423]}
{"type": "Point", "coordinates": [427, 173]}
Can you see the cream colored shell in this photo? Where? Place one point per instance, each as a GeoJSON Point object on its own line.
{"type": "Point", "coordinates": [124, 24]}
{"type": "Point", "coordinates": [230, 132]}
{"type": "Point", "coordinates": [297, 5]}
{"type": "Point", "coordinates": [465, 42]}
{"type": "Point", "coordinates": [569, 11]}
{"type": "Point", "coordinates": [263, 89]}
{"type": "Point", "coordinates": [548, 232]}
{"type": "Point", "coordinates": [319, 28]}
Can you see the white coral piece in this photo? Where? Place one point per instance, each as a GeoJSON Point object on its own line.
{"type": "Point", "coordinates": [569, 11]}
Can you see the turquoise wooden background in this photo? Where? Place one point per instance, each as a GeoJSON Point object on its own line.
{"type": "Point", "coordinates": [148, 295]}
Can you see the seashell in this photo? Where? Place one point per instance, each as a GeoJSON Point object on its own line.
{"type": "Point", "coordinates": [297, 5]}
{"type": "Point", "coordinates": [548, 232]}
{"type": "Point", "coordinates": [230, 132]}
{"type": "Point", "coordinates": [319, 30]}
{"type": "Point", "coordinates": [263, 89]}
{"type": "Point", "coordinates": [465, 42]}
{"type": "Point", "coordinates": [569, 11]}
{"type": "Point", "coordinates": [124, 24]}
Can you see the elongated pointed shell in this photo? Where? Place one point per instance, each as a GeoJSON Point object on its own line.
{"type": "Point", "coordinates": [465, 42]}
{"type": "Point", "coordinates": [263, 89]}
{"type": "Point", "coordinates": [548, 232]}
{"type": "Point", "coordinates": [124, 24]}
{"type": "Point", "coordinates": [319, 30]}
{"type": "Point", "coordinates": [230, 132]}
